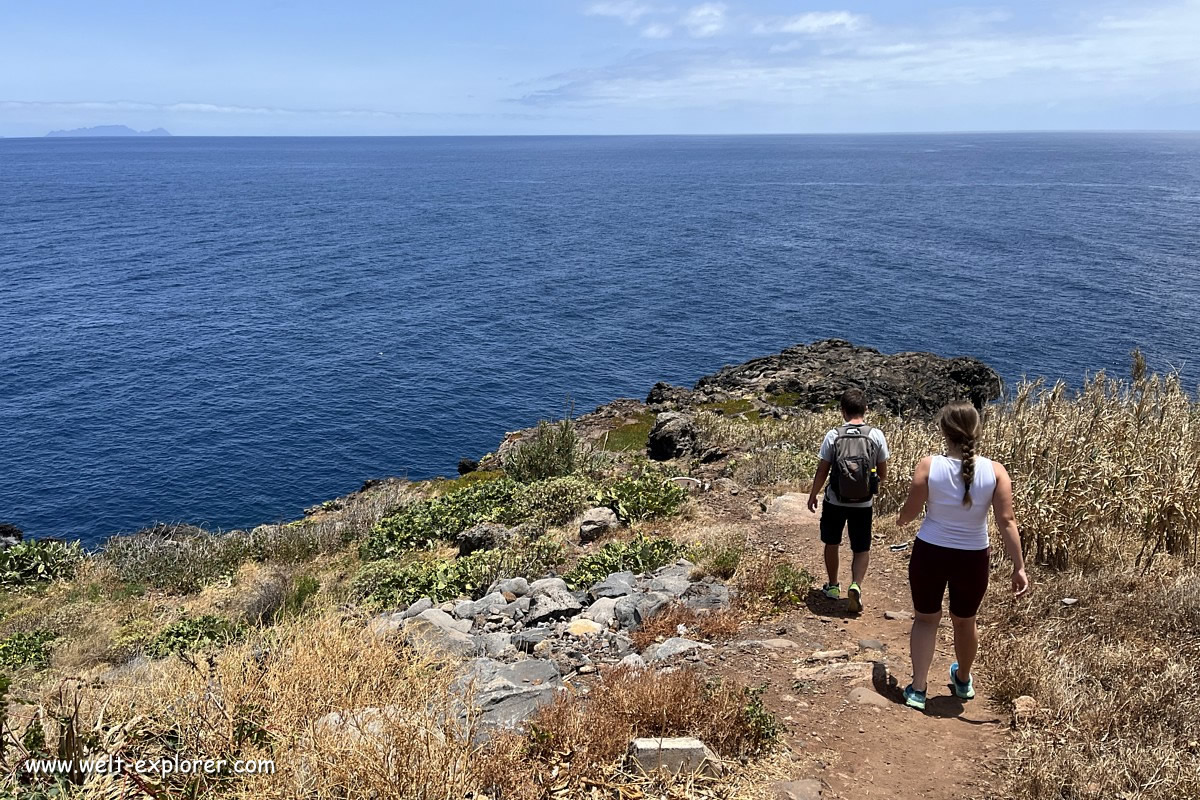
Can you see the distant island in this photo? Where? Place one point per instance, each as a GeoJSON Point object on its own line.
{"type": "Point", "coordinates": [109, 130]}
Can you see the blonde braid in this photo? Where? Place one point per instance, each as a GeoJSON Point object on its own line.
{"type": "Point", "coordinates": [968, 469]}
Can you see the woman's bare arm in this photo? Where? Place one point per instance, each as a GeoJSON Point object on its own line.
{"type": "Point", "coordinates": [1006, 521]}
{"type": "Point", "coordinates": [918, 492]}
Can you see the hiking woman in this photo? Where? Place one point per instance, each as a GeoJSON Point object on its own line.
{"type": "Point", "coordinates": [951, 550]}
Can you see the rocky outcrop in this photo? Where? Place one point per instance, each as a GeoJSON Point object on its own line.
{"type": "Point", "coordinates": [814, 376]}
{"type": "Point", "coordinates": [10, 535]}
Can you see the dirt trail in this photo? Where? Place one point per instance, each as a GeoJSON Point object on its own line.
{"type": "Point", "coordinates": [847, 725]}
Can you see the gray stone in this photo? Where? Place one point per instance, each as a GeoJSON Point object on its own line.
{"type": "Point", "coordinates": [829, 655]}
{"type": "Point", "coordinates": [530, 638]}
{"type": "Point", "coordinates": [603, 611]}
{"type": "Point", "coordinates": [386, 625]}
{"type": "Point", "coordinates": [871, 644]}
{"type": "Point", "coordinates": [551, 602]}
{"type": "Point", "coordinates": [421, 631]}
{"type": "Point", "coordinates": [480, 607]}
{"type": "Point", "coordinates": [633, 610]}
{"type": "Point", "coordinates": [584, 627]}
{"type": "Point", "coordinates": [424, 604]}
{"type": "Point", "coordinates": [677, 755]}
{"type": "Point", "coordinates": [797, 790]}
{"type": "Point", "coordinates": [633, 661]}
{"type": "Point", "coordinates": [672, 647]}
{"type": "Point", "coordinates": [507, 694]}
{"type": "Point", "coordinates": [517, 586]}
{"type": "Point", "coordinates": [495, 645]}
{"type": "Point", "coordinates": [673, 585]}
{"type": "Point", "coordinates": [517, 609]}
{"type": "Point", "coordinates": [898, 615]}
{"type": "Point", "coordinates": [547, 584]}
{"type": "Point", "coordinates": [615, 585]}
{"type": "Point", "coordinates": [596, 522]}
{"type": "Point", "coordinates": [706, 596]}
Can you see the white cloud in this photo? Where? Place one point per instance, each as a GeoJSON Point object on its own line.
{"type": "Point", "coordinates": [1144, 52]}
{"type": "Point", "coordinates": [704, 20]}
{"type": "Point", "coordinates": [813, 22]}
{"type": "Point", "coordinates": [627, 11]}
{"type": "Point", "coordinates": [656, 31]}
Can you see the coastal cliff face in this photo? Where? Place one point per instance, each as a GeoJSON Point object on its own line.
{"type": "Point", "coordinates": [812, 377]}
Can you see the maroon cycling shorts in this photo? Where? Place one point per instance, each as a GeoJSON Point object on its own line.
{"type": "Point", "coordinates": [933, 568]}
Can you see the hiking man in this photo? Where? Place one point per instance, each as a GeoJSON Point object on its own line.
{"type": "Point", "coordinates": [854, 458]}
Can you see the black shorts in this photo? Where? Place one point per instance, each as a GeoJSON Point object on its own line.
{"type": "Point", "coordinates": [834, 518]}
{"type": "Point", "coordinates": [933, 568]}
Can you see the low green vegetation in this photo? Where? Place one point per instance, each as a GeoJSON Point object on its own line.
{"type": "Point", "coordinates": [34, 561]}
{"type": "Point", "coordinates": [643, 554]}
{"type": "Point", "coordinates": [191, 634]}
{"type": "Point", "coordinates": [545, 503]}
{"type": "Point", "coordinates": [789, 585]}
{"type": "Point", "coordinates": [554, 451]}
{"type": "Point", "coordinates": [783, 399]}
{"type": "Point", "coordinates": [641, 495]}
{"type": "Point", "coordinates": [446, 486]}
{"type": "Point", "coordinates": [25, 649]}
{"type": "Point", "coordinates": [391, 583]}
{"type": "Point", "coordinates": [630, 437]}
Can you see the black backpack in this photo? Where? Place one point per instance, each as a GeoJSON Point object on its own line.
{"type": "Point", "coordinates": [855, 454]}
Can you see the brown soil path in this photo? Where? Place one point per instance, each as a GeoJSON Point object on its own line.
{"type": "Point", "coordinates": [847, 725]}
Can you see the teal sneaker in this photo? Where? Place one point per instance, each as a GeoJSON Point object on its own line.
{"type": "Point", "coordinates": [964, 691]}
{"type": "Point", "coordinates": [913, 698]}
{"type": "Point", "coordinates": [832, 591]}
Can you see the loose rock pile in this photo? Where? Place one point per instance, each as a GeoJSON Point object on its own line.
{"type": "Point", "coordinates": [522, 637]}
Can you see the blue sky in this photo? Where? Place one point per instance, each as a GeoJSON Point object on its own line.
{"type": "Point", "coordinates": [302, 67]}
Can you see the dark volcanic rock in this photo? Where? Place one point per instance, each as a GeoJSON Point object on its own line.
{"type": "Point", "coordinates": [673, 435]}
{"type": "Point", "coordinates": [10, 535]}
{"type": "Point", "coordinates": [466, 465]}
{"type": "Point", "coordinates": [817, 374]}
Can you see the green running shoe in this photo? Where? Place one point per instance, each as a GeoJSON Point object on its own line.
{"type": "Point", "coordinates": [964, 691]}
{"type": "Point", "coordinates": [854, 599]}
{"type": "Point", "coordinates": [913, 698]}
{"type": "Point", "coordinates": [832, 591]}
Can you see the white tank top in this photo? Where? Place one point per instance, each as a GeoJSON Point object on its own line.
{"type": "Point", "coordinates": [947, 521]}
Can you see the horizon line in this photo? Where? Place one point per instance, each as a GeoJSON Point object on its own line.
{"type": "Point", "coordinates": [965, 132]}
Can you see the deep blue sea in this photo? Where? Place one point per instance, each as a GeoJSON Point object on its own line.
{"type": "Point", "coordinates": [223, 331]}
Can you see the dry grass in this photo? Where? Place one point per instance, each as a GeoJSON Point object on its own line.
{"type": "Point", "coordinates": [264, 699]}
{"type": "Point", "coordinates": [575, 746]}
{"type": "Point", "coordinates": [1117, 682]}
{"type": "Point", "coordinates": [710, 626]}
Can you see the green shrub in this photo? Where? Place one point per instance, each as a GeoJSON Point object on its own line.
{"type": "Point", "coordinates": [549, 502]}
{"type": "Point", "coordinates": [425, 521]}
{"type": "Point", "coordinates": [642, 495]}
{"type": "Point", "coordinates": [789, 585]}
{"type": "Point", "coordinates": [553, 451]}
{"type": "Point", "coordinates": [303, 589]}
{"type": "Point", "coordinates": [731, 407]}
{"type": "Point", "coordinates": [389, 583]}
{"type": "Point", "coordinates": [194, 633]}
{"type": "Point", "coordinates": [643, 554]}
{"type": "Point", "coordinates": [26, 649]}
{"type": "Point", "coordinates": [35, 561]}
{"type": "Point", "coordinates": [504, 501]}
{"type": "Point", "coordinates": [721, 562]}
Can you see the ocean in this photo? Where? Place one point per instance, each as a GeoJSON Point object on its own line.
{"type": "Point", "coordinates": [223, 331]}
